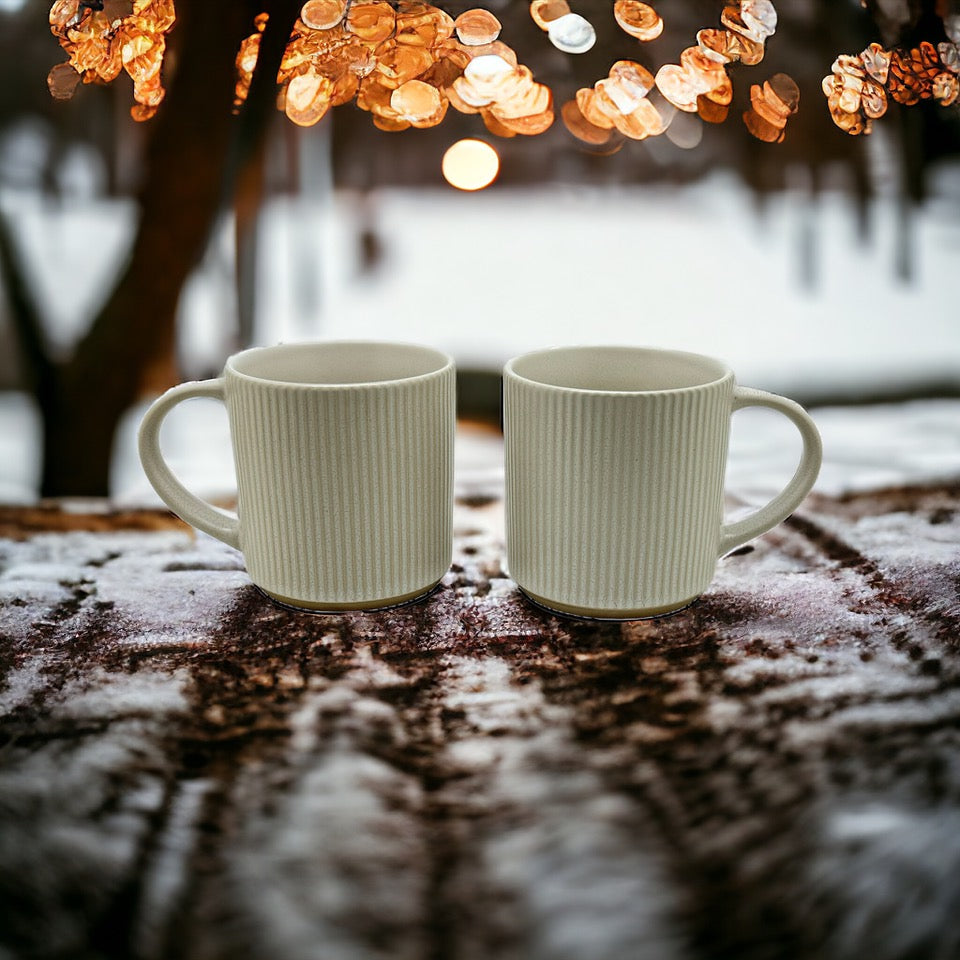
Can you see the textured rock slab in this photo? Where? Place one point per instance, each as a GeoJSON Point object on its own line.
{"type": "Point", "coordinates": [187, 770]}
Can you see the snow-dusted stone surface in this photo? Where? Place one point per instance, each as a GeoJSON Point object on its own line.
{"type": "Point", "coordinates": [189, 771]}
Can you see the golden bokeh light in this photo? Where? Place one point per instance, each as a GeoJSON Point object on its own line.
{"type": "Point", "coordinates": [619, 100]}
{"type": "Point", "coordinates": [640, 20]}
{"type": "Point", "coordinates": [470, 165]}
{"type": "Point", "coordinates": [700, 83]}
{"type": "Point", "coordinates": [771, 105]}
{"type": "Point", "coordinates": [476, 27]}
{"type": "Point", "coordinates": [406, 62]}
{"type": "Point", "coordinates": [859, 85]}
{"type": "Point", "coordinates": [101, 42]}
{"type": "Point", "coordinates": [568, 32]}
{"type": "Point", "coordinates": [572, 33]}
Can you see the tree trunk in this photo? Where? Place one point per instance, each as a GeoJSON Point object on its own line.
{"type": "Point", "coordinates": [194, 154]}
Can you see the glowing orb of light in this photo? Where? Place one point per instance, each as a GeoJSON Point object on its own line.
{"type": "Point", "coordinates": [572, 33]}
{"type": "Point", "coordinates": [470, 165]}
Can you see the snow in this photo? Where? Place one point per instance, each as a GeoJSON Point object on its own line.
{"type": "Point", "coordinates": [865, 448]}
{"type": "Point", "coordinates": [145, 693]}
{"type": "Point", "coordinates": [491, 275]}
{"type": "Point", "coordinates": [152, 586]}
{"type": "Point", "coordinates": [19, 448]}
{"type": "Point", "coordinates": [72, 253]}
{"type": "Point", "coordinates": [697, 268]}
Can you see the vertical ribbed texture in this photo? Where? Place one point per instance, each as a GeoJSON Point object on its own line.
{"type": "Point", "coordinates": [614, 501]}
{"type": "Point", "coordinates": [345, 494]}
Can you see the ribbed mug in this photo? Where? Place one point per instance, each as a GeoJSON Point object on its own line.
{"type": "Point", "coordinates": [615, 461]}
{"type": "Point", "coordinates": [344, 461]}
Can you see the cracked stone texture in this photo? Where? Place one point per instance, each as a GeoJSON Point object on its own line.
{"type": "Point", "coordinates": [189, 771]}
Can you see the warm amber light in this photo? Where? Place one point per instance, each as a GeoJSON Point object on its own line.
{"type": "Point", "coordinates": [470, 165]}
{"type": "Point", "coordinates": [406, 62]}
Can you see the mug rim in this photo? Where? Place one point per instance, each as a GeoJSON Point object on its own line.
{"type": "Point", "coordinates": [721, 370]}
{"type": "Point", "coordinates": [444, 363]}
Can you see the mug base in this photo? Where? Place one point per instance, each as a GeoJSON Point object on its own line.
{"type": "Point", "coordinates": [604, 614]}
{"type": "Point", "coordinates": [361, 606]}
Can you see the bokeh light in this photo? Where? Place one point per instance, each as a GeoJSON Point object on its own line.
{"type": "Point", "coordinates": [470, 165]}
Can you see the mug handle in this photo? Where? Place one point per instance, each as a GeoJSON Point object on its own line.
{"type": "Point", "coordinates": [198, 513]}
{"type": "Point", "coordinates": [733, 535]}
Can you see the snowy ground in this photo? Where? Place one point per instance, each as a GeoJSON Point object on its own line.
{"type": "Point", "coordinates": [865, 448]}
{"type": "Point", "coordinates": [697, 269]}
{"type": "Point", "coordinates": [487, 276]}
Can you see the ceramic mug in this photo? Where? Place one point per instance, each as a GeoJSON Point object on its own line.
{"type": "Point", "coordinates": [615, 460]}
{"type": "Point", "coordinates": [344, 463]}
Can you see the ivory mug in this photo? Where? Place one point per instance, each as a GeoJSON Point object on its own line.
{"type": "Point", "coordinates": [615, 460]}
{"type": "Point", "coordinates": [344, 460]}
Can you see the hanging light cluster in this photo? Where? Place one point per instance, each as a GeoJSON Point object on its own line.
{"type": "Point", "coordinates": [700, 83]}
{"type": "Point", "coordinates": [104, 38]}
{"type": "Point", "coordinates": [405, 64]}
{"type": "Point", "coordinates": [860, 86]}
{"type": "Point", "coordinates": [620, 103]}
{"type": "Point", "coordinates": [617, 102]}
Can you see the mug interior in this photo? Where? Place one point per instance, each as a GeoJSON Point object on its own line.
{"type": "Point", "coordinates": [335, 363]}
{"type": "Point", "coordinates": [618, 369]}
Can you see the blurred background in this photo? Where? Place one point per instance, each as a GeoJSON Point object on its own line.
{"type": "Point", "coordinates": [135, 255]}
